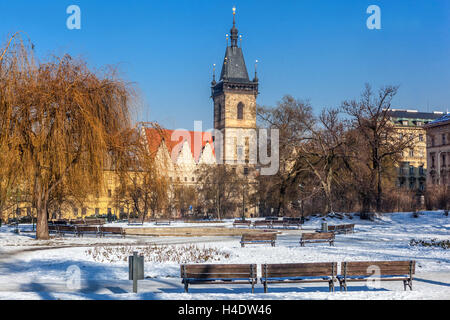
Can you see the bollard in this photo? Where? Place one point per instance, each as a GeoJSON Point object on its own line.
{"type": "Point", "coordinates": [136, 269]}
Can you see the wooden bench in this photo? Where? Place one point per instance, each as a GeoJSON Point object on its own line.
{"type": "Point", "coordinates": [82, 230]}
{"type": "Point", "coordinates": [111, 230]}
{"type": "Point", "coordinates": [299, 273]}
{"type": "Point", "coordinates": [387, 270]}
{"type": "Point", "coordinates": [61, 230]}
{"type": "Point", "coordinates": [317, 237]}
{"type": "Point", "coordinates": [343, 228]}
{"type": "Point", "coordinates": [258, 238]}
{"type": "Point", "coordinates": [163, 222]}
{"type": "Point", "coordinates": [277, 223]}
{"type": "Point", "coordinates": [135, 222]}
{"type": "Point", "coordinates": [242, 223]}
{"type": "Point", "coordinates": [218, 274]}
{"type": "Point", "coordinates": [289, 222]}
{"type": "Point", "coordinates": [264, 223]}
{"type": "Point", "coordinates": [94, 222]}
{"type": "Point", "coordinates": [77, 222]}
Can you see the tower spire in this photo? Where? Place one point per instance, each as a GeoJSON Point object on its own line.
{"type": "Point", "coordinates": [234, 31]}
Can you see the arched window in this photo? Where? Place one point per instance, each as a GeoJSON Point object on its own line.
{"type": "Point", "coordinates": [240, 111]}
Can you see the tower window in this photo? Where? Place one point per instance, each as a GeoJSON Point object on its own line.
{"type": "Point", "coordinates": [240, 111]}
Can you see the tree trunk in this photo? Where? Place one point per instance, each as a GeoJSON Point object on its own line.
{"type": "Point", "coordinates": [42, 217]}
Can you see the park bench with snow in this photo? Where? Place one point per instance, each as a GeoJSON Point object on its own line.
{"type": "Point", "coordinates": [112, 230]}
{"type": "Point", "coordinates": [299, 273]}
{"type": "Point", "coordinates": [359, 271]}
{"type": "Point", "coordinates": [343, 228]}
{"type": "Point", "coordinates": [82, 230]}
{"type": "Point", "coordinates": [192, 274]}
{"type": "Point", "coordinates": [258, 238]}
{"type": "Point", "coordinates": [317, 237]}
{"type": "Point", "coordinates": [242, 223]}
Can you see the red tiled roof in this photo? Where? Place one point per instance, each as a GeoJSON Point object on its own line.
{"type": "Point", "coordinates": [155, 137]}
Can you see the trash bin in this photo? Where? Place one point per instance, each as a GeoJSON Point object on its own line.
{"type": "Point", "coordinates": [324, 227]}
{"type": "Point", "coordinates": [139, 261]}
{"type": "Point", "coordinates": [136, 269]}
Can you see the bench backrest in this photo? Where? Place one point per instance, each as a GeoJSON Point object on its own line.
{"type": "Point", "coordinates": [94, 221]}
{"type": "Point", "coordinates": [263, 223]}
{"type": "Point", "coordinates": [247, 222]}
{"type": "Point", "coordinates": [118, 230]}
{"type": "Point", "coordinates": [369, 268]}
{"type": "Point", "coordinates": [66, 228]}
{"type": "Point", "coordinates": [87, 229]}
{"type": "Point", "coordinates": [299, 270]}
{"type": "Point", "coordinates": [318, 236]}
{"type": "Point", "coordinates": [76, 222]}
{"type": "Point", "coordinates": [258, 236]}
{"type": "Point", "coordinates": [218, 271]}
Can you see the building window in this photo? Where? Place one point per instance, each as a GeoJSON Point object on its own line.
{"type": "Point", "coordinates": [84, 211]}
{"type": "Point", "coordinates": [193, 179]}
{"type": "Point", "coordinates": [75, 212]}
{"type": "Point", "coordinates": [240, 111]}
{"type": "Point", "coordinates": [185, 179]}
{"type": "Point", "coordinates": [421, 170]}
{"type": "Point", "coordinates": [109, 193]}
{"type": "Point", "coordinates": [432, 161]}
{"type": "Point", "coordinates": [421, 137]}
{"type": "Point", "coordinates": [444, 141]}
{"type": "Point", "coordinates": [97, 211]}
{"type": "Point", "coordinates": [444, 160]}
{"type": "Point", "coordinates": [246, 171]}
{"type": "Point", "coordinates": [411, 170]}
{"type": "Point", "coordinates": [432, 141]}
{"type": "Point", "coordinates": [405, 122]}
{"type": "Point", "coordinates": [411, 153]}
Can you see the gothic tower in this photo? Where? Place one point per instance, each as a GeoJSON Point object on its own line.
{"type": "Point", "coordinates": [234, 99]}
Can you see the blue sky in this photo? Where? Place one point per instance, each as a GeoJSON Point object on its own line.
{"type": "Point", "coordinates": [319, 50]}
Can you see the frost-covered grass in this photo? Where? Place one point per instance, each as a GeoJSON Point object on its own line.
{"type": "Point", "coordinates": [158, 253]}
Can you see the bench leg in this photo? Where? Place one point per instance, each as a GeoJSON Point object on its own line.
{"type": "Point", "coordinates": [186, 287]}
{"type": "Point", "coordinates": [253, 287]}
{"type": "Point", "coordinates": [331, 286]}
{"type": "Point", "coordinates": [265, 287]}
{"type": "Point", "coordinates": [242, 245]}
{"type": "Point", "coordinates": [407, 283]}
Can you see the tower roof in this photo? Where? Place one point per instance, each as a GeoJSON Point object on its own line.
{"type": "Point", "coordinates": [234, 68]}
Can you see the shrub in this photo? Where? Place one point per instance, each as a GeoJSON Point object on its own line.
{"type": "Point", "coordinates": [158, 253]}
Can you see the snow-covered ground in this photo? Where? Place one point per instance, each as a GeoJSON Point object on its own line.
{"type": "Point", "coordinates": [63, 269]}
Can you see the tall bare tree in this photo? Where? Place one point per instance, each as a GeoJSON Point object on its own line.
{"type": "Point", "coordinates": [377, 143]}
{"type": "Point", "coordinates": [289, 117]}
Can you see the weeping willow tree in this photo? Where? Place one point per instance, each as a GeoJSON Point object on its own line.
{"type": "Point", "coordinates": [64, 122]}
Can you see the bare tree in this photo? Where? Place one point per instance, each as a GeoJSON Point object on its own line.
{"type": "Point", "coordinates": [376, 142]}
{"type": "Point", "coordinates": [324, 153]}
{"type": "Point", "coordinates": [289, 117]}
